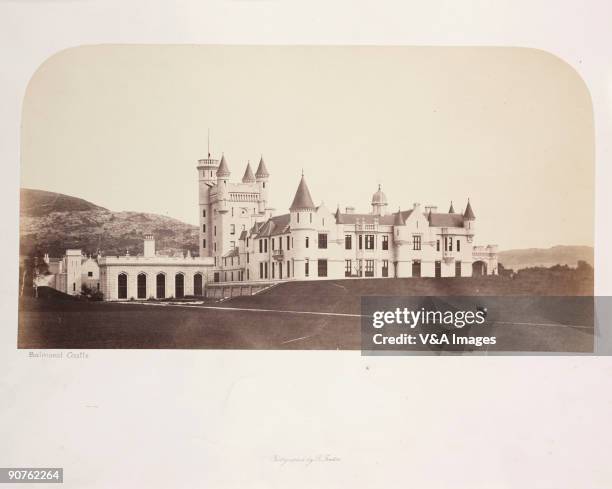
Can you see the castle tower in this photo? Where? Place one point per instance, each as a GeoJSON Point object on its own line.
{"type": "Point", "coordinates": [468, 221]}
{"type": "Point", "coordinates": [223, 174]}
{"type": "Point", "coordinates": [379, 202]}
{"type": "Point", "coordinates": [303, 232]}
{"type": "Point", "coordinates": [207, 177]}
{"type": "Point", "coordinates": [262, 176]}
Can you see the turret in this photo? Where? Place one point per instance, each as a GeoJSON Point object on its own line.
{"type": "Point", "coordinates": [262, 176]}
{"type": "Point", "coordinates": [469, 221]}
{"type": "Point", "coordinates": [223, 174]}
{"type": "Point", "coordinates": [379, 202]}
{"type": "Point", "coordinates": [248, 174]}
{"type": "Point", "coordinates": [207, 178]}
{"type": "Point", "coordinates": [302, 229]}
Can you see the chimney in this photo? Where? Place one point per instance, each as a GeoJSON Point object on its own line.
{"type": "Point", "coordinates": [350, 210]}
{"type": "Point", "coordinates": [431, 208]}
{"type": "Point", "coordinates": [149, 246]}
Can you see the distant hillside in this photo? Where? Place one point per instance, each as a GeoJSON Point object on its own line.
{"type": "Point", "coordinates": [51, 222]}
{"type": "Point", "coordinates": [546, 257]}
{"type": "Point", "coordinates": [36, 203]}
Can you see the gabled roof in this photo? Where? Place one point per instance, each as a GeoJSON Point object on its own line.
{"type": "Point", "coordinates": [274, 226]}
{"type": "Point", "coordinates": [232, 252]}
{"type": "Point", "coordinates": [248, 174]}
{"type": "Point", "coordinates": [243, 235]}
{"type": "Point", "coordinates": [302, 199]}
{"type": "Point", "coordinates": [223, 169]}
{"type": "Point", "coordinates": [469, 213]}
{"type": "Point", "coordinates": [441, 220]}
{"type": "Point", "coordinates": [387, 219]}
{"type": "Point", "coordinates": [262, 171]}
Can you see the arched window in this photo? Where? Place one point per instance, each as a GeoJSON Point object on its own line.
{"type": "Point", "coordinates": [141, 284]}
{"type": "Point", "coordinates": [179, 285]}
{"type": "Point", "coordinates": [161, 285]}
{"type": "Point", "coordinates": [122, 286]}
{"type": "Point", "coordinates": [197, 284]}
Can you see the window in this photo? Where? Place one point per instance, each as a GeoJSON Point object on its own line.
{"type": "Point", "coordinates": [160, 285]}
{"type": "Point", "coordinates": [265, 245]}
{"type": "Point", "coordinates": [266, 269]}
{"type": "Point", "coordinates": [369, 242]}
{"type": "Point", "coordinates": [438, 245]}
{"type": "Point", "coordinates": [273, 269]}
{"type": "Point", "coordinates": [141, 286]}
{"type": "Point", "coordinates": [311, 218]}
{"type": "Point", "coordinates": [232, 245]}
{"type": "Point", "coordinates": [215, 246]}
{"type": "Point", "coordinates": [121, 286]}
{"type": "Point", "coordinates": [298, 217]}
{"type": "Point", "coordinates": [416, 268]}
{"type": "Point", "coordinates": [203, 243]}
{"type": "Point", "coordinates": [247, 257]}
{"type": "Point", "coordinates": [261, 246]}
{"type": "Point", "coordinates": [261, 269]}
{"type": "Point", "coordinates": [90, 274]}
{"type": "Point", "coordinates": [197, 284]}
{"type": "Point", "coordinates": [450, 244]}
{"type": "Point", "coordinates": [307, 241]}
{"type": "Point", "coordinates": [360, 241]}
{"type": "Point", "coordinates": [348, 242]}
{"type": "Point", "coordinates": [457, 267]}
{"type": "Point", "coordinates": [416, 242]}
{"type": "Point", "coordinates": [385, 268]}
{"type": "Point", "coordinates": [272, 239]}
{"type": "Point", "coordinates": [203, 212]}
{"type": "Point", "coordinates": [458, 245]}
{"type": "Point", "coordinates": [306, 267]}
{"type": "Point", "coordinates": [288, 268]}
{"type": "Point", "coordinates": [322, 268]}
{"type": "Point", "coordinates": [215, 230]}
{"type": "Point", "coordinates": [203, 228]}
{"type": "Point", "coordinates": [348, 268]}
{"type": "Point", "coordinates": [288, 242]}
{"type": "Point", "coordinates": [232, 229]}
{"type": "Point", "coordinates": [369, 268]}
{"type": "Point", "coordinates": [322, 241]}
{"type": "Point", "coordinates": [385, 242]}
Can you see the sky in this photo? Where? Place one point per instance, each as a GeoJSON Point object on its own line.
{"type": "Point", "coordinates": [510, 128]}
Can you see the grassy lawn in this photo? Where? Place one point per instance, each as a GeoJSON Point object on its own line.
{"type": "Point", "coordinates": [58, 321]}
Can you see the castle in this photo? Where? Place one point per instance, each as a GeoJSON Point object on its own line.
{"type": "Point", "coordinates": [243, 247]}
{"type": "Point", "coordinates": [248, 243]}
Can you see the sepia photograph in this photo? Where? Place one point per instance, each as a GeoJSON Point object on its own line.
{"type": "Point", "coordinates": [346, 244]}
{"type": "Point", "coordinates": [245, 197]}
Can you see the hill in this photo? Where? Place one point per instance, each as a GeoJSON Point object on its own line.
{"type": "Point", "coordinates": [546, 257]}
{"type": "Point", "coordinates": [37, 203]}
{"type": "Point", "coordinates": [51, 222]}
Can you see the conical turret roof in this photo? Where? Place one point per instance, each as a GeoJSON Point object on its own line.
{"type": "Point", "coordinates": [469, 213]}
{"type": "Point", "coordinates": [223, 169]}
{"type": "Point", "coordinates": [262, 171]}
{"type": "Point", "coordinates": [451, 210]}
{"type": "Point", "coordinates": [248, 174]}
{"type": "Point", "coordinates": [302, 199]}
{"type": "Point", "coordinates": [397, 220]}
